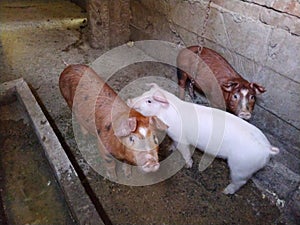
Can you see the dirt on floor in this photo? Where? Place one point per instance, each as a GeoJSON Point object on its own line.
{"type": "Point", "coordinates": [35, 40]}
{"type": "Point", "coordinates": [29, 191]}
{"type": "Point", "coordinates": [31, 195]}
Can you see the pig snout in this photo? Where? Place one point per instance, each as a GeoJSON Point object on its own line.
{"type": "Point", "coordinates": [132, 103]}
{"type": "Point", "coordinates": [246, 115]}
{"type": "Point", "coordinates": [151, 164]}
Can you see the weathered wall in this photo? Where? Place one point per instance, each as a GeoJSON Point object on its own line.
{"type": "Point", "coordinates": [261, 40]}
{"type": "Point", "coordinates": [81, 3]}
{"type": "Point", "coordinates": [108, 22]}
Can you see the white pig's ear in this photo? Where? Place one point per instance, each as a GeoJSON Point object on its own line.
{"type": "Point", "coordinates": [160, 97]}
{"type": "Point", "coordinates": [125, 127]}
{"type": "Point", "coordinates": [152, 85]}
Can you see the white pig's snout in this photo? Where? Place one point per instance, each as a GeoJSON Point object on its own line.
{"type": "Point", "coordinates": [132, 104]}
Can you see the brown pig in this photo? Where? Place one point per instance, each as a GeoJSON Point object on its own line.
{"type": "Point", "coordinates": [238, 93]}
{"type": "Point", "coordinates": [121, 132]}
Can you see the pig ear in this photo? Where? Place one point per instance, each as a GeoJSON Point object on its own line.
{"type": "Point", "coordinates": [257, 88]}
{"type": "Point", "coordinates": [157, 123]}
{"type": "Point", "coordinates": [229, 86]}
{"type": "Point", "coordinates": [126, 126]}
{"type": "Point", "coordinates": [152, 85]}
{"type": "Point", "coordinates": [160, 97]}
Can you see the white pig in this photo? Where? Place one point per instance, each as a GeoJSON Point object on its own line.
{"type": "Point", "coordinates": [244, 146]}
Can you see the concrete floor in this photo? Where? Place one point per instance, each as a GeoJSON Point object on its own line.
{"type": "Point", "coordinates": [35, 40]}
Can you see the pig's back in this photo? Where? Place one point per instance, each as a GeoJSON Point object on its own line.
{"type": "Point", "coordinates": [232, 133]}
{"type": "Point", "coordinates": [244, 137]}
{"type": "Point", "coordinates": [219, 66]}
{"type": "Point", "coordinates": [89, 97]}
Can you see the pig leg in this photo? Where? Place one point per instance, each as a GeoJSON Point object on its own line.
{"type": "Point", "coordinates": [182, 79]}
{"type": "Point", "coordinates": [185, 150]}
{"type": "Point", "coordinates": [83, 130]}
{"type": "Point", "coordinates": [110, 165]}
{"type": "Point", "coordinates": [126, 169]}
{"type": "Point", "coordinates": [191, 90]}
{"type": "Point", "coordinates": [240, 172]}
{"type": "Point", "coordinates": [109, 162]}
{"type": "Point", "coordinates": [235, 185]}
{"type": "Point", "coordinates": [173, 147]}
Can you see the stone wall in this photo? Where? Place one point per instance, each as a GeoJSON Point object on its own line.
{"type": "Point", "coordinates": [108, 22]}
{"type": "Point", "coordinates": [81, 3]}
{"type": "Point", "coordinates": [261, 40]}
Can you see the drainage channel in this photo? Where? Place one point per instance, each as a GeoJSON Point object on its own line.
{"type": "Point", "coordinates": [85, 207]}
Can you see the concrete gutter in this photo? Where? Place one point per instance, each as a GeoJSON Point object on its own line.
{"type": "Point", "coordinates": [79, 202]}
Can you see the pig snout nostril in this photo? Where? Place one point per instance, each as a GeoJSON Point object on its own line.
{"type": "Point", "coordinates": [151, 166]}
{"type": "Point", "coordinates": [156, 167]}
{"type": "Point", "coordinates": [245, 115]}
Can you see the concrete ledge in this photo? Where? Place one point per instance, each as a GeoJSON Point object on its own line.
{"type": "Point", "coordinates": [81, 206]}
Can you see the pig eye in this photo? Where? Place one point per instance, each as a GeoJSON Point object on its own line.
{"type": "Point", "coordinates": [149, 101]}
{"type": "Point", "coordinates": [131, 139]}
{"type": "Point", "coordinates": [235, 96]}
{"type": "Point", "coordinates": [252, 97]}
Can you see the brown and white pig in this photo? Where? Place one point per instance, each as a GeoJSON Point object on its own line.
{"type": "Point", "coordinates": [214, 131]}
{"type": "Point", "coordinates": [239, 94]}
{"type": "Point", "coordinates": [121, 132]}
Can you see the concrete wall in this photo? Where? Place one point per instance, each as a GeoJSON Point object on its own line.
{"type": "Point", "coordinates": [108, 22]}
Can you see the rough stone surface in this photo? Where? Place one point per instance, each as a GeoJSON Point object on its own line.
{"type": "Point", "coordinates": [286, 6]}
{"type": "Point", "coordinates": [108, 22]}
{"type": "Point", "coordinates": [277, 14]}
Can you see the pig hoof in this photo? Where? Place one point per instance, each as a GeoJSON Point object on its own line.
{"type": "Point", "coordinates": [172, 148]}
{"type": "Point", "coordinates": [111, 176]}
{"type": "Point", "coordinates": [229, 190]}
{"type": "Point", "coordinates": [189, 164]}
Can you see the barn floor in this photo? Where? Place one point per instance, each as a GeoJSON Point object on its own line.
{"type": "Point", "coordinates": [35, 39]}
